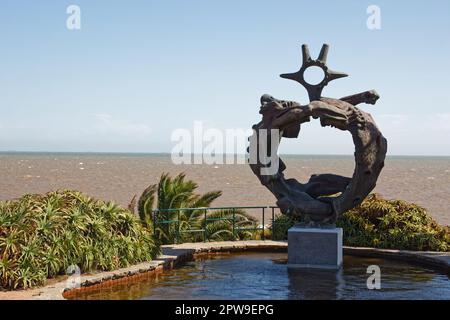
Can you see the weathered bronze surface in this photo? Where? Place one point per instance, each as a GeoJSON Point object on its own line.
{"type": "Point", "coordinates": [314, 91]}
{"type": "Point", "coordinates": [324, 196]}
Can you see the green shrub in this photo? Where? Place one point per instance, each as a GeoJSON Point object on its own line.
{"type": "Point", "coordinates": [280, 227]}
{"type": "Point", "coordinates": [393, 224]}
{"type": "Point", "coordinates": [42, 235]}
{"type": "Point", "coordinates": [387, 224]}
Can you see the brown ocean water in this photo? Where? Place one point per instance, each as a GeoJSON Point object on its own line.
{"type": "Point", "coordinates": [118, 177]}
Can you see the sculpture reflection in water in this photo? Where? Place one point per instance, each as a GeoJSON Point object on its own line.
{"type": "Point", "coordinates": [320, 284]}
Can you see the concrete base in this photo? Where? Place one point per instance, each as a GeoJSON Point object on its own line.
{"type": "Point", "coordinates": [315, 247]}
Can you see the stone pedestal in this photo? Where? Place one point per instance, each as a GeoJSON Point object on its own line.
{"type": "Point", "coordinates": [315, 247]}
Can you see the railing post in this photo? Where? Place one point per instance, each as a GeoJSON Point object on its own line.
{"type": "Point", "coordinates": [167, 225]}
{"type": "Point", "coordinates": [273, 223]}
{"type": "Point", "coordinates": [204, 227]}
{"type": "Point", "coordinates": [178, 226]}
{"type": "Point", "coordinates": [263, 213]}
{"type": "Point", "coordinates": [234, 224]}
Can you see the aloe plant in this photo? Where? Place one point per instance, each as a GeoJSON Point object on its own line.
{"type": "Point", "coordinates": [42, 235]}
{"type": "Point", "coordinates": [389, 224]}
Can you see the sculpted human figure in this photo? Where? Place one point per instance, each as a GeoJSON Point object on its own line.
{"type": "Point", "coordinates": [324, 196]}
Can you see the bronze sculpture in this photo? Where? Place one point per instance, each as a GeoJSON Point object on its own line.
{"type": "Point", "coordinates": [324, 196]}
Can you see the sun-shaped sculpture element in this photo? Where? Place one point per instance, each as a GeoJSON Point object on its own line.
{"type": "Point", "coordinates": [314, 90]}
{"type": "Point", "coordinates": [325, 196]}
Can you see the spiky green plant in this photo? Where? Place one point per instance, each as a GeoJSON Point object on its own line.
{"type": "Point", "coordinates": [280, 227]}
{"type": "Point", "coordinates": [178, 192]}
{"type": "Point", "coordinates": [393, 224]}
{"type": "Point", "coordinates": [42, 235]}
{"type": "Point", "coordinates": [388, 224]}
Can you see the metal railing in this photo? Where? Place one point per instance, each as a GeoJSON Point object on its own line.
{"type": "Point", "coordinates": [164, 218]}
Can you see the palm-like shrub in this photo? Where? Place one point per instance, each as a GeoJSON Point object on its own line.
{"type": "Point", "coordinates": [185, 225]}
{"type": "Point", "coordinates": [388, 224]}
{"type": "Point", "coordinates": [220, 225]}
{"type": "Point", "coordinates": [42, 235]}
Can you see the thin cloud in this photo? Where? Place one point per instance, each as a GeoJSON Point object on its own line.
{"type": "Point", "coordinates": [437, 122]}
{"type": "Point", "coordinates": [107, 124]}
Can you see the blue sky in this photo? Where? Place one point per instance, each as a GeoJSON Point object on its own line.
{"type": "Point", "coordinates": [137, 70]}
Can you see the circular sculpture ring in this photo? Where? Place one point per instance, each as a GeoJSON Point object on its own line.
{"type": "Point", "coordinates": [324, 196]}
{"type": "Point", "coordinates": [314, 90]}
{"type": "Point", "coordinates": [316, 201]}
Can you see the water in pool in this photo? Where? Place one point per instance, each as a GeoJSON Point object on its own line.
{"type": "Point", "coordinates": [266, 276]}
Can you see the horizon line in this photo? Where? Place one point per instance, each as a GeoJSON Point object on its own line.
{"type": "Point", "coordinates": [5, 152]}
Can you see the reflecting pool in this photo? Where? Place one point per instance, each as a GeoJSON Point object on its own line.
{"type": "Point", "coordinates": [266, 276]}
